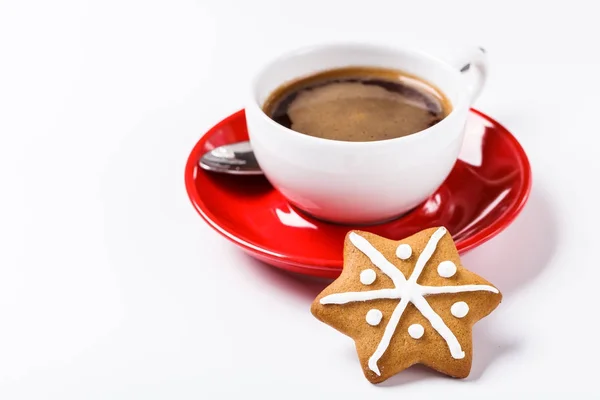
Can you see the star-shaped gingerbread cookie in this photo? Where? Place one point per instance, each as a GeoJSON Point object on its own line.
{"type": "Point", "coordinates": [406, 302]}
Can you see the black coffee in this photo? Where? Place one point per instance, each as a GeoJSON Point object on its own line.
{"type": "Point", "coordinates": [358, 104]}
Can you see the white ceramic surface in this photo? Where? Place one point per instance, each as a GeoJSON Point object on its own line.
{"type": "Point", "coordinates": [362, 182]}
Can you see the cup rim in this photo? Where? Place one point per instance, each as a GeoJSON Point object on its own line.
{"type": "Point", "coordinates": [419, 135]}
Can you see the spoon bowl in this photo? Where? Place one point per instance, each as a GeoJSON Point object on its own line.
{"type": "Point", "coordinates": [235, 159]}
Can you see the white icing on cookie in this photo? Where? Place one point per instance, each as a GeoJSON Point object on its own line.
{"type": "Point", "coordinates": [404, 251]}
{"type": "Point", "coordinates": [416, 331]}
{"type": "Point", "coordinates": [459, 309]}
{"type": "Point", "coordinates": [374, 317]}
{"type": "Point", "coordinates": [367, 276]}
{"type": "Point", "coordinates": [446, 269]}
{"type": "Point", "coordinates": [406, 291]}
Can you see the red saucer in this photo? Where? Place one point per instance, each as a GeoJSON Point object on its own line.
{"type": "Point", "coordinates": [485, 191]}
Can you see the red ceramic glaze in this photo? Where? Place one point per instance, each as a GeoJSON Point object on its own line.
{"type": "Point", "coordinates": [478, 200]}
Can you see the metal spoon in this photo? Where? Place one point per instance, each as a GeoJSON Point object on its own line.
{"type": "Point", "coordinates": [236, 159]}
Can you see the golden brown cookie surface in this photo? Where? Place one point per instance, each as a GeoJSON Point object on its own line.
{"type": "Point", "coordinates": [406, 302]}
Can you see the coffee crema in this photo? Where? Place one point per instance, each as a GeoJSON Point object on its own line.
{"type": "Point", "coordinates": [358, 104]}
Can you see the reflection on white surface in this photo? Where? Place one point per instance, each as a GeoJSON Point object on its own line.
{"type": "Point", "coordinates": [474, 132]}
{"type": "Point", "coordinates": [292, 219]}
{"type": "Point", "coordinates": [488, 209]}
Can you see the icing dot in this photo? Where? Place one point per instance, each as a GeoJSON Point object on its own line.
{"type": "Point", "coordinates": [416, 331]}
{"type": "Point", "coordinates": [446, 269]}
{"type": "Point", "coordinates": [404, 251]}
{"type": "Point", "coordinates": [459, 309]}
{"type": "Point", "coordinates": [374, 317]}
{"type": "Point", "coordinates": [367, 277]}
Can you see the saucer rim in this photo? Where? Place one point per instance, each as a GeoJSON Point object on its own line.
{"type": "Point", "coordinates": [313, 263]}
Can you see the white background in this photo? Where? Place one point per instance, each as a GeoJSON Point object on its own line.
{"type": "Point", "coordinates": [111, 286]}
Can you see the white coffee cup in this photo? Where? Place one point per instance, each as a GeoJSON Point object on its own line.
{"type": "Point", "coordinates": [362, 182]}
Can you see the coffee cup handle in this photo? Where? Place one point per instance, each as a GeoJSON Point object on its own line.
{"type": "Point", "coordinates": [474, 65]}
